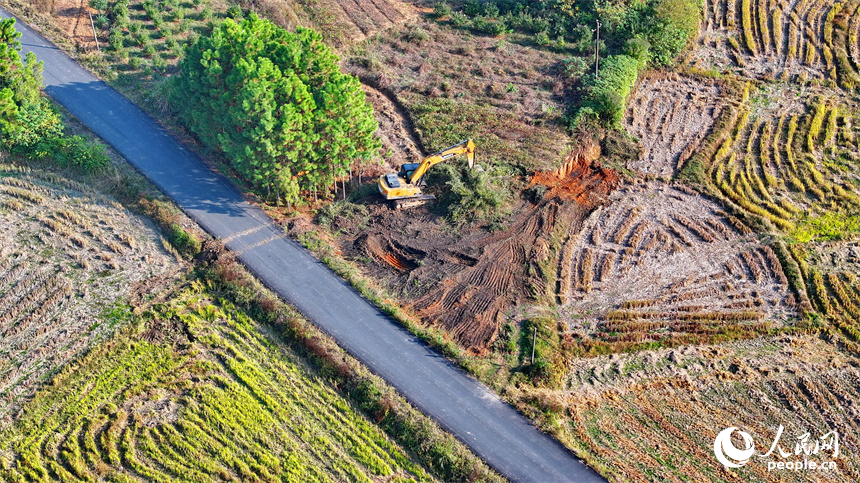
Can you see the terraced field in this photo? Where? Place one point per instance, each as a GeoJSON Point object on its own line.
{"type": "Point", "coordinates": [660, 263]}
{"type": "Point", "coordinates": [653, 415]}
{"type": "Point", "coordinates": [67, 255]}
{"type": "Point", "coordinates": [196, 391]}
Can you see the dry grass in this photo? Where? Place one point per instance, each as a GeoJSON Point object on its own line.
{"type": "Point", "coordinates": [62, 267]}
{"type": "Point", "coordinates": [653, 415]}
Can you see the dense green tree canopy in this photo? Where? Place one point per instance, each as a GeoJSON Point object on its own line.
{"type": "Point", "coordinates": [26, 119]}
{"type": "Point", "coordinates": [276, 103]}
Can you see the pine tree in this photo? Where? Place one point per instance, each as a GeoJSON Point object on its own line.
{"type": "Point", "coordinates": [276, 104]}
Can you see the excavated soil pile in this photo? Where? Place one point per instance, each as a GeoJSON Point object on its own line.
{"type": "Point", "coordinates": [465, 282]}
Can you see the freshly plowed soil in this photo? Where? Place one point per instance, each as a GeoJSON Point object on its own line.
{"type": "Point", "coordinates": [671, 115]}
{"type": "Point", "coordinates": [465, 282]}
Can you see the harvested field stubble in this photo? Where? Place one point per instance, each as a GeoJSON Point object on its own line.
{"type": "Point", "coordinates": [67, 255]}
{"type": "Point", "coordinates": [197, 392]}
{"type": "Point", "coordinates": [672, 258]}
{"type": "Point", "coordinates": [671, 115]}
{"type": "Point", "coordinates": [653, 415]}
{"type": "Point", "coordinates": [789, 40]}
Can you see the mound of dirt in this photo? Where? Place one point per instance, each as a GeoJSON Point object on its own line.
{"type": "Point", "coordinates": [465, 282]}
{"type": "Point", "coordinates": [671, 115]}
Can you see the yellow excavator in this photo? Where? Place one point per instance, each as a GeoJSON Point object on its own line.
{"type": "Point", "coordinates": [403, 189]}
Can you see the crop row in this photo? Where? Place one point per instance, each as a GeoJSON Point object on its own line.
{"type": "Point", "coordinates": [776, 168]}
{"type": "Point", "coordinates": [233, 407]}
{"type": "Point", "coordinates": [801, 32]}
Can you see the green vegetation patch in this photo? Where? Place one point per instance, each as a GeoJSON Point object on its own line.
{"type": "Point", "coordinates": [276, 104]}
{"type": "Point", "coordinates": [195, 391]}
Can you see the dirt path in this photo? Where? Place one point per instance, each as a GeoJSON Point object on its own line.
{"type": "Point", "coordinates": [73, 16]}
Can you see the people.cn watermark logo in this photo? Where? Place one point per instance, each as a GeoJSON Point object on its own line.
{"type": "Point", "coordinates": [731, 456]}
{"type": "Point", "coordinates": [723, 448]}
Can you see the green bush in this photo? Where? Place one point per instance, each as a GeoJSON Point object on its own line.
{"type": "Point", "coordinates": [185, 243]}
{"type": "Point", "coordinates": [100, 5]}
{"type": "Point", "coordinates": [608, 91]}
{"type": "Point", "coordinates": [467, 195]}
{"type": "Point", "coordinates": [441, 9]}
{"type": "Point", "coordinates": [459, 19]}
{"type": "Point", "coordinates": [472, 7]}
{"type": "Point", "coordinates": [489, 26]}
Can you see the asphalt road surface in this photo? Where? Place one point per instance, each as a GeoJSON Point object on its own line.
{"type": "Point", "coordinates": [460, 404]}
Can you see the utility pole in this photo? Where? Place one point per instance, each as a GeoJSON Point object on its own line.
{"type": "Point", "coordinates": [93, 25]}
{"type": "Point", "coordinates": [534, 342]}
{"type": "Point", "coordinates": [597, 52]}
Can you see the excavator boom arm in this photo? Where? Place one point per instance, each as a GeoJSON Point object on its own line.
{"type": "Point", "coordinates": [463, 147]}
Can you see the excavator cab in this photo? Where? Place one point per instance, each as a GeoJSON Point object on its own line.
{"type": "Point", "coordinates": [407, 170]}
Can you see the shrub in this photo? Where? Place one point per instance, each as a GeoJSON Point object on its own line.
{"type": "Point", "coordinates": [459, 19]}
{"type": "Point", "coordinates": [100, 5]}
{"type": "Point", "coordinates": [489, 26]}
{"type": "Point", "coordinates": [542, 39]}
{"type": "Point", "coordinates": [574, 68]}
{"type": "Point", "coordinates": [469, 194]}
{"type": "Point", "coordinates": [607, 92]}
{"type": "Point", "coordinates": [472, 7]}
{"type": "Point", "coordinates": [115, 39]}
{"type": "Point", "coordinates": [441, 9]}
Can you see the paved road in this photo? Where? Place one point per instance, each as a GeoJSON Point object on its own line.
{"type": "Point", "coordinates": [460, 404]}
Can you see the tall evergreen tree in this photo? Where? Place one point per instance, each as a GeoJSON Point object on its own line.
{"type": "Point", "coordinates": [26, 118]}
{"type": "Point", "coordinates": [276, 104]}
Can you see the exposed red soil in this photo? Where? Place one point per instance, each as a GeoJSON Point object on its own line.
{"type": "Point", "coordinates": [578, 179]}
{"type": "Point", "coordinates": [466, 282]}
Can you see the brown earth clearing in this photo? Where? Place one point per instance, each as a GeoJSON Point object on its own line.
{"type": "Point", "coordinates": [466, 280]}
{"type": "Point", "coordinates": [68, 255]}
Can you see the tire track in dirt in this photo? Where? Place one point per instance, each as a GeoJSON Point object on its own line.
{"type": "Point", "coordinates": [400, 141]}
{"type": "Point", "coordinates": [511, 268]}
